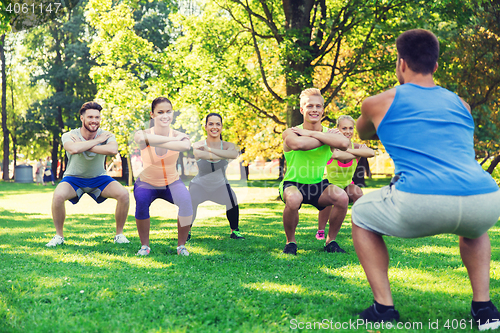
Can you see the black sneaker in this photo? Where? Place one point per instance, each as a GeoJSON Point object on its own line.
{"type": "Point", "coordinates": [487, 318]}
{"type": "Point", "coordinates": [371, 314]}
{"type": "Point", "coordinates": [290, 248]}
{"type": "Point", "coordinates": [334, 247]}
{"type": "Point", "coordinates": [236, 235]}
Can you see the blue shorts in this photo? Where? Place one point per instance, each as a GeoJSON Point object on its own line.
{"type": "Point", "coordinates": [91, 186]}
{"type": "Point", "coordinates": [175, 193]}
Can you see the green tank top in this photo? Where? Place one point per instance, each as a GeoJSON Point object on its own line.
{"type": "Point", "coordinates": [307, 166]}
{"type": "Point", "coordinates": [340, 174]}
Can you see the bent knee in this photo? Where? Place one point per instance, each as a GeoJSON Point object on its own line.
{"type": "Point", "coordinates": [340, 199]}
{"type": "Point", "coordinates": [123, 196]}
{"type": "Point", "coordinates": [356, 196]}
{"type": "Point", "coordinates": [58, 198]}
{"type": "Point", "coordinates": [294, 200]}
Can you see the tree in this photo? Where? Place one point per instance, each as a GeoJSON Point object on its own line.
{"type": "Point", "coordinates": [59, 51]}
{"type": "Point", "coordinates": [250, 59]}
{"type": "Point", "coordinates": [470, 68]}
{"type": "Point", "coordinates": [129, 50]}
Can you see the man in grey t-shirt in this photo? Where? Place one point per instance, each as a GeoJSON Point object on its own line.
{"type": "Point", "coordinates": [86, 148]}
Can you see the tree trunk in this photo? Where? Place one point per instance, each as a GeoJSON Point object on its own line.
{"type": "Point", "coordinates": [5, 130]}
{"type": "Point", "coordinates": [130, 173]}
{"type": "Point", "coordinates": [493, 164]}
{"type": "Point", "coordinates": [180, 161]}
{"type": "Point", "coordinates": [53, 156]}
{"type": "Point", "coordinates": [12, 133]}
{"type": "Point", "coordinates": [14, 149]}
{"type": "Point", "coordinates": [282, 168]}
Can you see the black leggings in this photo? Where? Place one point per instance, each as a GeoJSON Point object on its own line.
{"type": "Point", "coordinates": [223, 195]}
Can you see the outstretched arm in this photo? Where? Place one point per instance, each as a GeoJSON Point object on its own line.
{"type": "Point", "coordinates": [110, 148]}
{"type": "Point", "coordinates": [77, 146]}
{"type": "Point", "coordinates": [183, 145]}
{"type": "Point", "coordinates": [333, 140]}
{"type": "Point", "coordinates": [293, 141]}
{"type": "Point", "coordinates": [179, 142]}
{"type": "Point", "coordinates": [356, 153]}
{"type": "Point", "coordinates": [207, 153]}
{"type": "Point", "coordinates": [361, 150]}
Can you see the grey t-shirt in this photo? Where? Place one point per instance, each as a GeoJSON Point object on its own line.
{"type": "Point", "coordinates": [86, 164]}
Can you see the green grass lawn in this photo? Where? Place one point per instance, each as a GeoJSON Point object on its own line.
{"type": "Point", "coordinates": [93, 285]}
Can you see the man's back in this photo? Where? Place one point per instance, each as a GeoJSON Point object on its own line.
{"type": "Point", "coordinates": [428, 132]}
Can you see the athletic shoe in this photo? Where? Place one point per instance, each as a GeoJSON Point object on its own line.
{"type": "Point", "coordinates": [334, 247]}
{"type": "Point", "coordinates": [320, 235]}
{"type": "Point", "coordinates": [56, 240]}
{"type": "Point", "coordinates": [236, 235]}
{"type": "Point", "coordinates": [182, 251]}
{"type": "Point", "coordinates": [371, 314]}
{"type": "Point", "coordinates": [487, 318]}
{"type": "Point", "coordinates": [121, 239]}
{"type": "Point", "coordinates": [189, 236]}
{"type": "Point", "coordinates": [144, 251]}
{"type": "Point", "coordinates": [290, 248]}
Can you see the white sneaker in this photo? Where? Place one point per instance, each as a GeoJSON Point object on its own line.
{"type": "Point", "coordinates": [182, 251]}
{"type": "Point", "coordinates": [56, 240]}
{"type": "Point", "coordinates": [121, 239]}
{"type": "Point", "coordinates": [144, 251]}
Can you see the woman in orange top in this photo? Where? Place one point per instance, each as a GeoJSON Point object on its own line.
{"type": "Point", "coordinates": [160, 146]}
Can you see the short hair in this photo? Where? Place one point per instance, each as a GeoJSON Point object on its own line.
{"type": "Point", "coordinates": [420, 49]}
{"type": "Point", "coordinates": [344, 117]}
{"type": "Point", "coordinates": [310, 92]}
{"type": "Point", "coordinates": [157, 101]}
{"type": "Point", "coordinates": [90, 106]}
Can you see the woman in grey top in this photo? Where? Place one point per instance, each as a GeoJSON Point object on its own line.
{"type": "Point", "coordinates": [212, 155]}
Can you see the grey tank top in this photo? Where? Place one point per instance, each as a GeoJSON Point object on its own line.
{"type": "Point", "coordinates": [211, 175]}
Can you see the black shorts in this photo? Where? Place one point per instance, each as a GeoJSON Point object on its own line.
{"type": "Point", "coordinates": [310, 192]}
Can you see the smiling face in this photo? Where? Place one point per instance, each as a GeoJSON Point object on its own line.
{"type": "Point", "coordinates": [91, 120]}
{"type": "Point", "coordinates": [163, 114]}
{"type": "Point", "coordinates": [346, 127]}
{"type": "Point", "coordinates": [213, 127]}
{"type": "Point", "coordinates": [312, 108]}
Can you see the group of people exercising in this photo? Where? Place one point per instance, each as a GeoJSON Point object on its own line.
{"type": "Point", "coordinates": [427, 130]}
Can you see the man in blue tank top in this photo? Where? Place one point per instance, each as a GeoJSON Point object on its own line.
{"type": "Point", "coordinates": [428, 132]}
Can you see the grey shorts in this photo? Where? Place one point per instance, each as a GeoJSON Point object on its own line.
{"type": "Point", "coordinates": [395, 213]}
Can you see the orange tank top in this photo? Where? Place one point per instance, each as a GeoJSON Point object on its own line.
{"type": "Point", "coordinates": [159, 170]}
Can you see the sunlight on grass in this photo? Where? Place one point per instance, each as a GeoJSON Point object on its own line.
{"type": "Point", "coordinates": [91, 284]}
{"type": "Point", "coordinates": [435, 249]}
{"type": "Point", "coordinates": [495, 270]}
{"type": "Point", "coordinates": [434, 282]}
{"type": "Point", "coordinates": [96, 260]}
{"type": "Point", "coordinates": [350, 272]}
{"type": "Point", "coordinates": [276, 287]}
{"type": "Point", "coordinates": [204, 252]}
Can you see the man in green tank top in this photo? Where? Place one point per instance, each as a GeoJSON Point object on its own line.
{"type": "Point", "coordinates": [307, 149]}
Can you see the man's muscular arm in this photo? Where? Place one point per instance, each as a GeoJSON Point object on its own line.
{"type": "Point", "coordinates": [333, 140]}
{"type": "Point", "coordinates": [293, 141]}
{"type": "Point", "coordinates": [76, 146]}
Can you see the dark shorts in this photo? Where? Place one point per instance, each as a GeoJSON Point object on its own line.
{"type": "Point", "coordinates": [91, 186]}
{"type": "Point", "coordinates": [175, 193]}
{"type": "Point", "coordinates": [310, 192]}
